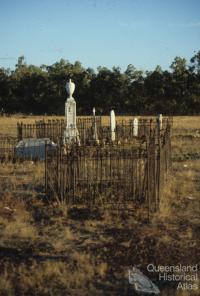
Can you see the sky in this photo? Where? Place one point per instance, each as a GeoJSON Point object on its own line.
{"type": "Point", "coordinates": [144, 33]}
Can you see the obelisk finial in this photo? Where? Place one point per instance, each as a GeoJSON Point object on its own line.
{"type": "Point", "coordinates": [70, 87]}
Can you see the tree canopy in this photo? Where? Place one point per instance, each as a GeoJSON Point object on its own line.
{"type": "Point", "coordinates": [39, 90]}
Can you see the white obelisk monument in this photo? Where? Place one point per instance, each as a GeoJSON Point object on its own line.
{"type": "Point", "coordinates": [71, 134]}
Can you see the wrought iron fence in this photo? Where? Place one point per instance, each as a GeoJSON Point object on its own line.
{"type": "Point", "coordinates": [7, 148]}
{"type": "Point", "coordinates": [110, 174]}
{"type": "Point", "coordinates": [125, 130]}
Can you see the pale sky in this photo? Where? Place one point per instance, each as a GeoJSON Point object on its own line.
{"type": "Point", "coordinates": [108, 33]}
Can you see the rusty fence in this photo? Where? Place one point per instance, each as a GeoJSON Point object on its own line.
{"type": "Point", "coordinates": [7, 148]}
{"type": "Point", "coordinates": [110, 174]}
{"type": "Point", "coordinates": [125, 130]}
{"type": "Point", "coordinates": [54, 129]}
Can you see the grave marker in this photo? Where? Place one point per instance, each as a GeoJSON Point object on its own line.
{"type": "Point", "coordinates": [159, 121]}
{"type": "Point", "coordinates": [71, 134]}
{"type": "Point", "coordinates": [135, 127]}
{"type": "Point", "coordinates": [112, 125]}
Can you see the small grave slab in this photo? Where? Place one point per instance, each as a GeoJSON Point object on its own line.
{"type": "Point", "coordinates": [32, 148]}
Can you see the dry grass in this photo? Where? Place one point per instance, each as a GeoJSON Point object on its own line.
{"type": "Point", "coordinates": [56, 255]}
{"type": "Point", "coordinates": [47, 278]}
{"type": "Point", "coordinates": [15, 220]}
{"type": "Point", "coordinates": [186, 122]}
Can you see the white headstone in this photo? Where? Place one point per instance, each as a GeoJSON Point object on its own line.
{"type": "Point", "coordinates": [112, 125]}
{"type": "Point", "coordinates": [135, 127]}
{"type": "Point", "coordinates": [159, 120]}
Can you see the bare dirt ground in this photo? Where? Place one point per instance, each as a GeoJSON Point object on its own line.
{"type": "Point", "coordinates": [47, 249]}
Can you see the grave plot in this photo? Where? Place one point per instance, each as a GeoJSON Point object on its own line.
{"type": "Point", "coordinates": [121, 164]}
{"type": "Point", "coordinates": [112, 174]}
